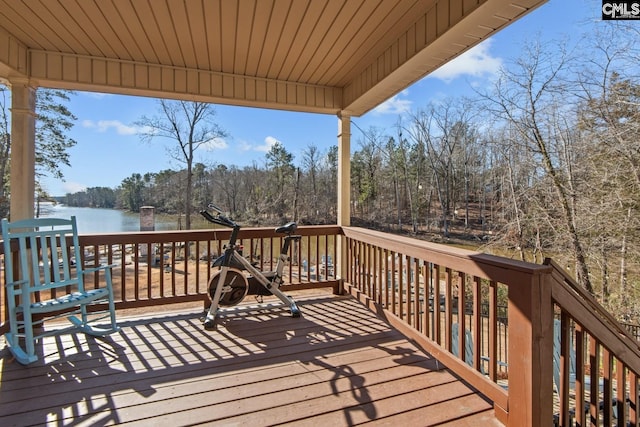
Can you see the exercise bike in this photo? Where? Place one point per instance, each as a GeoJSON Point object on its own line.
{"type": "Point", "coordinates": [238, 277]}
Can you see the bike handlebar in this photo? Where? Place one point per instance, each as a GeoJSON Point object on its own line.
{"type": "Point", "coordinates": [214, 208]}
{"type": "Point", "coordinates": [219, 218]}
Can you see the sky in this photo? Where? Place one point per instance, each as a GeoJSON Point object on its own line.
{"type": "Point", "coordinates": [108, 148]}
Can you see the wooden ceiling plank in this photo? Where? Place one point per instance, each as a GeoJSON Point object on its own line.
{"type": "Point", "coordinates": [154, 45]}
{"type": "Point", "coordinates": [333, 35]}
{"type": "Point", "coordinates": [140, 24]}
{"type": "Point", "coordinates": [302, 38]}
{"type": "Point", "coordinates": [116, 30]}
{"type": "Point", "coordinates": [372, 19]}
{"type": "Point", "coordinates": [244, 37]}
{"type": "Point", "coordinates": [258, 36]}
{"type": "Point", "coordinates": [56, 28]}
{"type": "Point", "coordinates": [213, 31]}
{"type": "Point", "coordinates": [274, 32]}
{"type": "Point", "coordinates": [399, 24]}
{"type": "Point", "coordinates": [198, 35]}
{"type": "Point", "coordinates": [168, 32]}
{"type": "Point", "coordinates": [329, 15]}
{"type": "Point", "coordinates": [228, 26]}
{"type": "Point", "coordinates": [107, 40]}
{"type": "Point", "coordinates": [90, 16]}
{"type": "Point", "coordinates": [282, 58]}
{"type": "Point", "coordinates": [184, 32]}
{"type": "Point", "coordinates": [26, 29]}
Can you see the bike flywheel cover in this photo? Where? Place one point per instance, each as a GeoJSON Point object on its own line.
{"type": "Point", "coordinates": [234, 288]}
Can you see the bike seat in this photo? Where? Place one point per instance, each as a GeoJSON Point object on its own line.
{"type": "Point", "coordinates": [288, 228]}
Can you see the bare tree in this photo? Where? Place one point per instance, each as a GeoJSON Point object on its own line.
{"type": "Point", "coordinates": [532, 96]}
{"type": "Point", "coordinates": [311, 165]}
{"type": "Point", "coordinates": [440, 129]}
{"type": "Point", "coordinates": [609, 118]}
{"type": "Point", "coordinates": [190, 125]}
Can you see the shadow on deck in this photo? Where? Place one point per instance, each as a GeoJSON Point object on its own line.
{"type": "Point", "coordinates": [337, 365]}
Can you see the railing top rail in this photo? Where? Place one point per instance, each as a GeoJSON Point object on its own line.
{"type": "Point", "coordinates": [486, 266]}
{"type": "Point", "coordinates": [221, 233]}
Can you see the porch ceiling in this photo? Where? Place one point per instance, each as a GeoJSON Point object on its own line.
{"type": "Point", "coordinates": [315, 56]}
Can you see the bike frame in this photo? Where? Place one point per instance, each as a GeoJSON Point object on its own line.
{"type": "Point", "coordinates": [231, 256]}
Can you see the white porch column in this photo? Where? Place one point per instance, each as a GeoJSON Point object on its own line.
{"type": "Point", "coordinates": [23, 142]}
{"type": "Point", "coordinates": [344, 192]}
{"type": "Point", "coordinates": [344, 169]}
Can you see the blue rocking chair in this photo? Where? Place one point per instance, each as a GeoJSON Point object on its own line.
{"type": "Point", "coordinates": [45, 279]}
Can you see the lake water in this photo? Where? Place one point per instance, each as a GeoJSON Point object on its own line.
{"type": "Point", "coordinates": [95, 220]}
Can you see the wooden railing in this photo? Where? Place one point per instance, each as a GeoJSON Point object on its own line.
{"type": "Point", "coordinates": [598, 358]}
{"type": "Point", "coordinates": [157, 268]}
{"type": "Point", "coordinates": [421, 288]}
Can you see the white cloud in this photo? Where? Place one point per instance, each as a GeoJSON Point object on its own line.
{"type": "Point", "coordinates": [395, 104]}
{"type": "Point", "coordinates": [215, 144]}
{"type": "Point", "coordinates": [476, 62]}
{"type": "Point", "coordinates": [269, 142]}
{"type": "Point", "coordinates": [244, 145]}
{"type": "Point", "coordinates": [97, 95]}
{"type": "Point", "coordinates": [73, 187]}
{"type": "Point", "coordinates": [105, 125]}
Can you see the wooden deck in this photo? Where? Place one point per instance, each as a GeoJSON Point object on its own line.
{"type": "Point", "coordinates": [337, 365]}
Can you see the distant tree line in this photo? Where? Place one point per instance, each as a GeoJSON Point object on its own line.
{"type": "Point", "coordinates": [267, 194]}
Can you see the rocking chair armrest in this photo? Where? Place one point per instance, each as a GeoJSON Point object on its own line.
{"type": "Point", "coordinates": [98, 268]}
{"type": "Point", "coordinates": [17, 287]}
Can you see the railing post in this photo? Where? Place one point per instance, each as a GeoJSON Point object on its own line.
{"type": "Point", "coordinates": [530, 353]}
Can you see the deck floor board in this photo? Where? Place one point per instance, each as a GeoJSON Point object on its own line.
{"type": "Point", "coordinates": [337, 365]}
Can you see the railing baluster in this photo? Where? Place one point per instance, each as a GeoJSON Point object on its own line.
{"type": "Point", "coordinates": [365, 268]}
{"type": "Point", "coordinates": [377, 273]}
{"type": "Point", "coordinates": [493, 329]}
{"type": "Point", "coordinates": [427, 295]}
{"type": "Point", "coordinates": [462, 318]}
{"type": "Point", "coordinates": [621, 391]}
{"type": "Point", "coordinates": [594, 371]}
{"type": "Point", "coordinates": [580, 343]}
{"type": "Point", "coordinates": [607, 376]}
{"type": "Point", "coordinates": [173, 268]}
{"type": "Point", "coordinates": [634, 399]}
{"type": "Point", "coordinates": [436, 304]}
{"type": "Point", "coordinates": [197, 261]}
{"type": "Point", "coordinates": [392, 285]}
{"type": "Point", "coordinates": [150, 255]}
{"type": "Point", "coordinates": [416, 294]}
{"type": "Point", "coordinates": [161, 269]}
{"type": "Point", "coordinates": [476, 296]}
{"type": "Point", "coordinates": [565, 367]}
{"type": "Point", "coordinates": [136, 272]}
{"type": "Point", "coordinates": [448, 308]}
{"type": "Point", "coordinates": [405, 283]}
